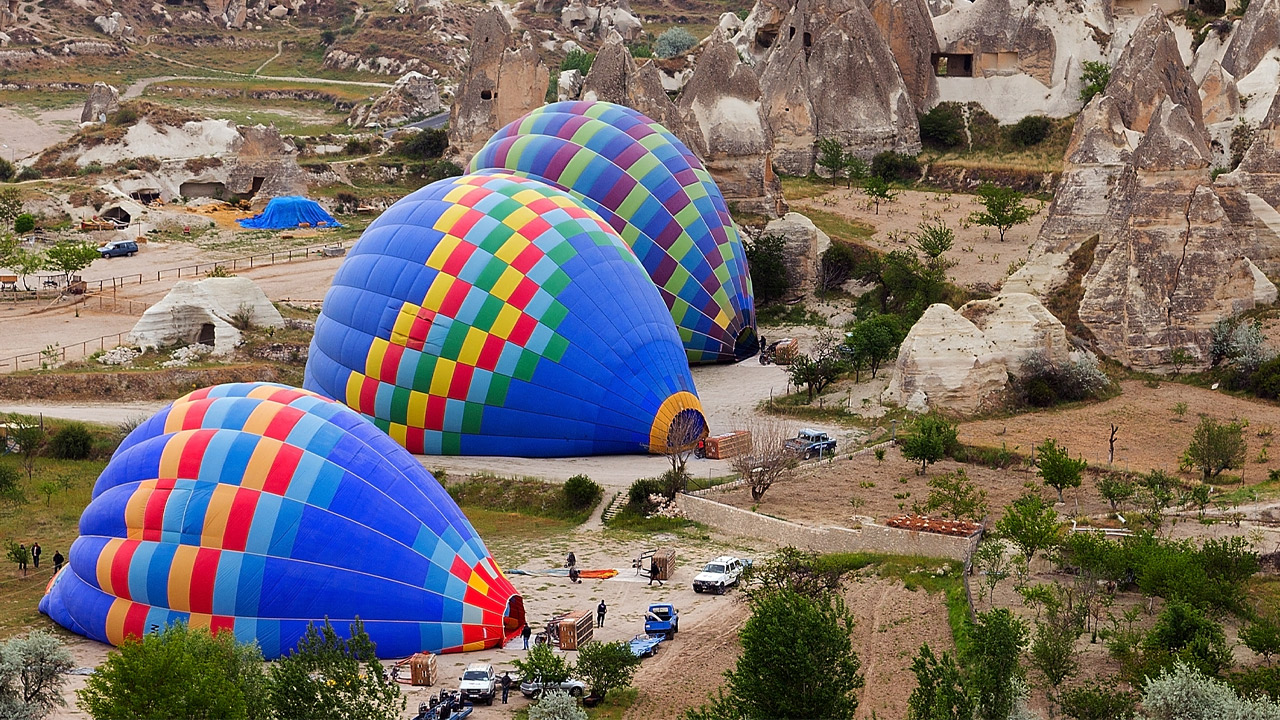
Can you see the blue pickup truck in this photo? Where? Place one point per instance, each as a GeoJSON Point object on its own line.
{"type": "Point", "coordinates": [662, 619]}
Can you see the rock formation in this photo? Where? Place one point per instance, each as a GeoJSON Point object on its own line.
{"type": "Point", "coordinates": [103, 100]}
{"type": "Point", "coordinates": [1218, 96]}
{"type": "Point", "coordinates": [908, 28]}
{"type": "Point", "coordinates": [615, 77]}
{"type": "Point", "coordinates": [229, 13]}
{"type": "Point", "coordinates": [946, 362]}
{"type": "Point", "coordinates": [413, 96]}
{"type": "Point", "coordinates": [827, 72]}
{"type": "Point", "coordinates": [1017, 324]}
{"type": "Point", "coordinates": [722, 98]}
{"type": "Point", "coordinates": [1253, 38]}
{"type": "Point", "coordinates": [596, 20]}
{"type": "Point", "coordinates": [504, 79]}
{"type": "Point", "coordinates": [803, 245]}
{"type": "Point", "coordinates": [203, 312]}
{"type": "Point", "coordinates": [116, 26]}
{"type": "Point", "coordinates": [1149, 70]}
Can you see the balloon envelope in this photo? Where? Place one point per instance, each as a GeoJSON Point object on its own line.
{"type": "Point", "coordinates": [492, 314]}
{"type": "Point", "coordinates": [656, 193]}
{"type": "Point", "coordinates": [259, 509]}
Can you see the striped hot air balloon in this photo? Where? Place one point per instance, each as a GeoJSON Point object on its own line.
{"type": "Point", "coordinates": [656, 193]}
{"type": "Point", "coordinates": [259, 509]}
{"type": "Point", "coordinates": [492, 314]}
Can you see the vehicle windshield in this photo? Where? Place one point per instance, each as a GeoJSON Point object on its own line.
{"type": "Point", "coordinates": [713, 568]}
{"type": "Point", "coordinates": [475, 675]}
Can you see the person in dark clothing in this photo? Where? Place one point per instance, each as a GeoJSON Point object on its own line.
{"type": "Point", "coordinates": [600, 611]}
{"type": "Point", "coordinates": [571, 562]}
{"type": "Point", "coordinates": [573, 575]}
{"type": "Point", "coordinates": [653, 574]}
{"type": "Point", "coordinates": [57, 562]}
{"type": "Point", "coordinates": [35, 555]}
{"type": "Point", "coordinates": [22, 558]}
{"type": "Point", "coordinates": [526, 633]}
{"type": "Point", "coordinates": [506, 686]}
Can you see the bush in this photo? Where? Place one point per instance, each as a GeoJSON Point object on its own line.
{"type": "Point", "coordinates": [1094, 79]}
{"type": "Point", "coordinates": [582, 492]}
{"type": "Point", "coordinates": [1042, 383]}
{"type": "Point", "coordinates": [838, 262]}
{"type": "Point", "coordinates": [428, 144]}
{"type": "Point", "coordinates": [673, 42]}
{"type": "Point", "coordinates": [28, 173]}
{"type": "Point", "coordinates": [892, 166]}
{"type": "Point", "coordinates": [1030, 130]}
{"type": "Point", "coordinates": [766, 262]}
{"type": "Point", "coordinates": [1182, 693]}
{"type": "Point", "coordinates": [640, 491]}
{"type": "Point", "coordinates": [72, 441]}
{"type": "Point", "coordinates": [32, 671]}
{"type": "Point", "coordinates": [943, 126]}
{"type": "Point", "coordinates": [579, 60]}
{"type": "Point", "coordinates": [556, 705]}
{"type": "Point", "coordinates": [126, 115]}
{"type": "Point", "coordinates": [1212, 7]}
{"type": "Point", "coordinates": [24, 223]}
{"type": "Point", "coordinates": [6, 170]}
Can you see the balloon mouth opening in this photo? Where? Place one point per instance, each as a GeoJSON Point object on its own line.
{"type": "Point", "coordinates": [679, 424]}
{"type": "Point", "coordinates": [747, 344]}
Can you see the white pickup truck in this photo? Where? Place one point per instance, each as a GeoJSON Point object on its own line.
{"type": "Point", "coordinates": [719, 574]}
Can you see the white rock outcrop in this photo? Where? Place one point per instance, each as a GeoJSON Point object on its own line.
{"type": "Point", "coordinates": [194, 311]}
{"type": "Point", "coordinates": [803, 245]}
{"type": "Point", "coordinates": [1017, 324]}
{"type": "Point", "coordinates": [946, 362]}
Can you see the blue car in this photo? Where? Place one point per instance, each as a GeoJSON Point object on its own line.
{"type": "Point", "coordinates": [118, 248]}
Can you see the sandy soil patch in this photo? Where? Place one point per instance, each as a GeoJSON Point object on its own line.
{"type": "Point", "coordinates": [980, 256]}
{"type": "Point", "coordinates": [26, 135]}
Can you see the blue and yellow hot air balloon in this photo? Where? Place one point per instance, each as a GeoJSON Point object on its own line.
{"type": "Point", "coordinates": [492, 314]}
{"type": "Point", "coordinates": [259, 509]}
{"type": "Point", "coordinates": [656, 193]}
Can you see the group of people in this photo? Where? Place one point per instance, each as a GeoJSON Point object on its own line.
{"type": "Point", "coordinates": [34, 554]}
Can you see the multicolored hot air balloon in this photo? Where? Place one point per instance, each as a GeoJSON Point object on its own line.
{"type": "Point", "coordinates": [492, 314]}
{"type": "Point", "coordinates": [656, 193]}
{"type": "Point", "coordinates": [259, 509]}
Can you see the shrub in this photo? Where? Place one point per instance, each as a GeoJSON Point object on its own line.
{"type": "Point", "coordinates": [641, 490]}
{"type": "Point", "coordinates": [428, 144]}
{"type": "Point", "coordinates": [32, 671]}
{"type": "Point", "coordinates": [768, 268]}
{"type": "Point", "coordinates": [72, 441]}
{"type": "Point", "coordinates": [1182, 693]}
{"type": "Point", "coordinates": [892, 166]}
{"type": "Point", "coordinates": [640, 50]}
{"type": "Point", "coordinates": [126, 115]}
{"type": "Point", "coordinates": [943, 126]}
{"type": "Point", "coordinates": [1212, 7]}
{"type": "Point", "coordinates": [6, 170]}
{"type": "Point", "coordinates": [1094, 79]}
{"type": "Point", "coordinates": [579, 60]}
{"type": "Point", "coordinates": [28, 173]}
{"type": "Point", "coordinates": [1041, 382]}
{"type": "Point", "coordinates": [582, 492]}
{"type": "Point", "coordinates": [838, 262]}
{"type": "Point", "coordinates": [556, 705]}
{"type": "Point", "coordinates": [1030, 130]}
{"type": "Point", "coordinates": [24, 223]}
{"type": "Point", "coordinates": [673, 42]}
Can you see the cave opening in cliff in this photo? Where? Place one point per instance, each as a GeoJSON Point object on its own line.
{"type": "Point", "coordinates": [953, 64]}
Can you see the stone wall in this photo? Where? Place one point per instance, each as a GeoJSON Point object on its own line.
{"type": "Point", "coordinates": [868, 538]}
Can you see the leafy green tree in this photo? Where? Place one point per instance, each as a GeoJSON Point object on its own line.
{"type": "Point", "coordinates": [822, 367]}
{"type": "Point", "coordinates": [1056, 467]}
{"type": "Point", "coordinates": [1031, 524]}
{"type": "Point", "coordinates": [956, 496]}
{"type": "Point", "coordinates": [17, 553]}
{"type": "Point", "coordinates": [1216, 447]}
{"type": "Point", "coordinates": [29, 435]}
{"type": "Point", "coordinates": [879, 190]}
{"type": "Point", "coordinates": [71, 257]}
{"type": "Point", "coordinates": [1115, 489]}
{"type": "Point", "coordinates": [930, 441]}
{"type": "Point", "coordinates": [178, 672]}
{"type": "Point", "coordinates": [579, 60]}
{"type": "Point", "coordinates": [606, 666]}
{"type": "Point", "coordinates": [831, 157]}
{"type": "Point", "coordinates": [996, 642]}
{"type": "Point", "coordinates": [797, 660]}
{"type": "Point", "coordinates": [1157, 494]}
{"type": "Point", "coordinates": [769, 276]}
{"type": "Point", "coordinates": [32, 668]}
{"type": "Point", "coordinates": [329, 676]}
{"type": "Point", "coordinates": [992, 562]}
{"type": "Point", "coordinates": [24, 223]}
{"type": "Point", "coordinates": [6, 170]}
{"type": "Point", "coordinates": [875, 340]}
{"type": "Point", "coordinates": [26, 263]}
{"type": "Point", "coordinates": [1096, 701]}
{"type": "Point", "coordinates": [542, 663]}
{"type": "Point", "coordinates": [1184, 632]}
{"type": "Point", "coordinates": [1053, 652]}
{"type": "Point", "coordinates": [1003, 208]}
{"type": "Point", "coordinates": [1094, 79]}
{"type": "Point", "coordinates": [1262, 636]}
{"type": "Point", "coordinates": [940, 692]}
{"type": "Point", "coordinates": [932, 240]}
{"type": "Point", "coordinates": [943, 126]}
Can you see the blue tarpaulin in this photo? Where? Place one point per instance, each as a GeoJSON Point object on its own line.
{"type": "Point", "coordinates": [289, 212]}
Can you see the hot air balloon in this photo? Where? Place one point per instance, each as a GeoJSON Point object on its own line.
{"type": "Point", "coordinates": [492, 314]}
{"type": "Point", "coordinates": [656, 193]}
{"type": "Point", "coordinates": [259, 509]}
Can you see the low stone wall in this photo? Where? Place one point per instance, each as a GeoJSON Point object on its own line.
{"type": "Point", "coordinates": [868, 538]}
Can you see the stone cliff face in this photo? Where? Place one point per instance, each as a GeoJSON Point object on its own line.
{"type": "Point", "coordinates": [1149, 70]}
{"type": "Point", "coordinates": [908, 28]}
{"type": "Point", "coordinates": [504, 79]}
{"type": "Point", "coordinates": [946, 362]}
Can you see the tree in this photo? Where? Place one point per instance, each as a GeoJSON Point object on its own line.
{"type": "Point", "coordinates": [875, 340]}
{"type": "Point", "coordinates": [931, 440]}
{"type": "Point", "coordinates": [1094, 79]}
{"type": "Point", "coordinates": [31, 675]}
{"type": "Point", "coordinates": [683, 434]}
{"type": "Point", "coordinates": [1031, 524]}
{"type": "Point", "coordinates": [1216, 447]}
{"type": "Point", "coordinates": [879, 190]}
{"type": "Point", "coordinates": [797, 660]}
{"type": "Point", "coordinates": [1184, 632]}
{"type": "Point", "coordinates": [1004, 208]}
{"type": "Point", "coordinates": [824, 366]}
{"type": "Point", "coordinates": [769, 461]}
{"type": "Point", "coordinates": [1056, 467]}
{"type": "Point", "coordinates": [956, 495]}
{"type": "Point", "coordinates": [10, 206]}
{"type": "Point", "coordinates": [330, 676]}
{"type": "Point", "coordinates": [1157, 494]}
{"type": "Point", "coordinates": [673, 42]}
{"type": "Point", "coordinates": [29, 435]}
{"type": "Point", "coordinates": [26, 262]}
{"type": "Point", "coordinates": [606, 666]}
{"type": "Point", "coordinates": [1115, 489]}
{"type": "Point", "coordinates": [24, 223]}
{"type": "Point", "coordinates": [556, 705]}
{"type": "Point", "coordinates": [1053, 652]}
{"type": "Point", "coordinates": [992, 563]}
{"type": "Point", "coordinates": [932, 240]}
{"type": "Point", "coordinates": [17, 553]}
{"type": "Point", "coordinates": [178, 672]}
{"type": "Point", "coordinates": [996, 642]}
{"type": "Point", "coordinates": [831, 157]}
{"type": "Point", "coordinates": [6, 170]}
{"type": "Point", "coordinates": [1262, 636]}
{"type": "Point", "coordinates": [71, 257]}
{"type": "Point", "coordinates": [769, 276]}
{"type": "Point", "coordinates": [940, 692]}
{"type": "Point", "coordinates": [1096, 701]}
{"type": "Point", "coordinates": [541, 663]}
{"type": "Point", "coordinates": [1183, 693]}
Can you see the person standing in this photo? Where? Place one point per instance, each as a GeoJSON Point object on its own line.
{"type": "Point", "coordinates": [57, 561]}
{"type": "Point", "coordinates": [653, 573]}
{"type": "Point", "coordinates": [22, 559]}
{"type": "Point", "coordinates": [526, 634]}
{"type": "Point", "coordinates": [571, 562]}
{"type": "Point", "coordinates": [506, 686]}
{"type": "Point", "coordinates": [35, 555]}
{"type": "Point", "coordinates": [600, 611]}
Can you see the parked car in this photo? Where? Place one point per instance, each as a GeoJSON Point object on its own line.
{"type": "Point", "coordinates": [662, 619]}
{"type": "Point", "coordinates": [808, 443]}
{"type": "Point", "coordinates": [117, 248]}
{"type": "Point", "coordinates": [478, 683]}
{"type": "Point", "coordinates": [720, 574]}
{"type": "Point", "coordinates": [533, 688]}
